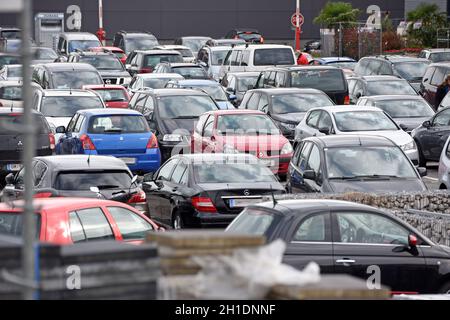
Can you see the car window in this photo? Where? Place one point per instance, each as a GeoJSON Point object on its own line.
{"type": "Point", "coordinates": [365, 227]}
{"type": "Point", "coordinates": [304, 155]}
{"type": "Point", "coordinates": [130, 225]}
{"type": "Point", "coordinates": [72, 122]}
{"type": "Point", "coordinates": [311, 229]}
{"type": "Point", "coordinates": [442, 119]}
{"type": "Point", "coordinates": [276, 56]}
{"type": "Point", "coordinates": [39, 170]}
{"type": "Point", "coordinates": [324, 121]}
{"type": "Point", "coordinates": [428, 75]}
{"type": "Point", "coordinates": [313, 119]}
{"type": "Point", "coordinates": [79, 123]}
{"type": "Point", "coordinates": [165, 172]}
{"type": "Point", "coordinates": [208, 129]}
{"type": "Point", "coordinates": [89, 224]}
{"type": "Point", "coordinates": [314, 159]}
{"type": "Point", "coordinates": [438, 76]}
{"type": "Point", "coordinates": [279, 79]}
{"type": "Point", "coordinates": [385, 69]}
{"type": "Point", "coordinates": [179, 171]}
{"type": "Point", "coordinates": [263, 103]}
{"type": "Point", "coordinates": [253, 101]}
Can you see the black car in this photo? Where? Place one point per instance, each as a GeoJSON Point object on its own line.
{"type": "Point", "coordinates": [145, 61]}
{"type": "Point", "coordinates": [75, 175]}
{"type": "Point", "coordinates": [351, 238]}
{"type": "Point", "coordinates": [238, 83]}
{"type": "Point", "coordinates": [347, 163]}
{"type": "Point", "coordinates": [12, 142]}
{"type": "Point", "coordinates": [312, 45]}
{"type": "Point", "coordinates": [330, 80]}
{"type": "Point", "coordinates": [207, 190]}
{"type": "Point", "coordinates": [408, 112]}
{"type": "Point", "coordinates": [431, 136]}
{"type": "Point", "coordinates": [108, 65]}
{"type": "Point", "coordinates": [286, 106]}
{"type": "Point", "coordinates": [187, 70]}
{"type": "Point", "coordinates": [378, 85]}
{"type": "Point", "coordinates": [172, 115]}
{"type": "Point", "coordinates": [250, 35]}
{"type": "Point", "coordinates": [130, 41]}
{"type": "Point", "coordinates": [409, 68]}
{"type": "Point", "coordinates": [65, 75]}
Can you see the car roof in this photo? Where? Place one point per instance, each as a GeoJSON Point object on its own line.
{"type": "Point", "coordinates": [109, 111]}
{"type": "Point", "coordinates": [440, 64]}
{"type": "Point", "coordinates": [235, 111]}
{"type": "Point", "coordinates": [394, 97]}
{"type": "Point", "coordinates": [159, 76]}
{"type": "Point", "coordinates": [177, 92]}
{"type": "Point", "coordinates": [68, 92]}
{"type": "Point", "coordinates": [198, 82]}
{"type": "Point", "coordinates": [336, 59]}
{"type": "Point", "coordinates": [184, 64]}
{"type": "Point", "coordinates": [351, 140]}
{"type": "Point", "coordinates": [245, 74]}
{"type": "Point", "coordinates": [380, 78]}
{"type": "Point", "coordinates": [219, 48]}
{"type": "Point", "coordinates": [64, 66]}
{"type": "Point", "coordinates": [204, 157]}
{"type": "Point", "coordinates": [278, 91]}
{"type": "Point", "coordinates": [261, 46]}
{"type": "Point", "coordinates": [79, 35]}
{"type": "Point", "coordinates": [171, 47]}
{"type": "Point", "coordinates": [397, 58]}
{"type": "Point", "coordinates": [245, 30]}
{"type": "Point", "coordinates": [80, 162]}
{"type": "Point", "coordinates": [195, 37]}
{"type": "Point", "coordinates": [158, 51]}
{"type": "Point", "coordinates": [302, 68]}
{"type": "Point", "coordinates": [346, 108]}
{"type": "Point", "coordinates": [94, 53]}
{"type": "Point", "coordinates": [104, 86]}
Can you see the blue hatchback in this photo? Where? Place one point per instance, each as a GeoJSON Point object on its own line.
{"type": "Point", "coordinates": [121, 133]}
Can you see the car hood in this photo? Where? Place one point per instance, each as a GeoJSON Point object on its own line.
{"type": "Point", "coordinates": [170, 125]}
{"type": "Point", "coordinates": [373, 185]}
{"type": "Point", "coordinates": [399, 137]}
{"type": "Point", "coordinates": [293, 118]}
{"type": "Point", "coordinates": [253, 143]}
{"type": "Point", "coordinates": [411, 123]}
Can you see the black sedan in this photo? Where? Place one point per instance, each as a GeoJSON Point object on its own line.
{"type": "Point", "coordinates": [207, 190]}
{"type": "Point", "coordinates": [431, 136]}
{"type": "Point", "coordinates": [345, 237]}
{"type": "Point", "coordinates": [346, 163]}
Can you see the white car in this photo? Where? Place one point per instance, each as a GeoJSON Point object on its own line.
{"type": "Point", "coordinates": [151, 80]}
{"type": "Point", "coordinates": [212, 58]}
{"type": "Point", "coordinates": [354, 120]}
{"type": "Point", "coordinates": [186, 52]}
{"type": "Point", "coordinates": [10, 93]}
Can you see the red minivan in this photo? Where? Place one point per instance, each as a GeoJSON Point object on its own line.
{"type": "Point", "coordinates": [243, 131]}
{"type": "Point", "coordinates": [70, 220]}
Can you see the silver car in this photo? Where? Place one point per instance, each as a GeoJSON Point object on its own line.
{"type": "Point", "coordinates": [444, 167]}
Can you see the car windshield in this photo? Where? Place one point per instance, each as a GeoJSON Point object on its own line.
{"type": "Point", "coordinates": [7, 121]}
{"type": "Point", "coordinates": [194, 44]}
{"type": "Point", "coordinates": [440, 56]}
{"type": "Point", "coordinates": [381, 87]}
{"type": "Point", "coordinates": [322, 79]}
{"type": "Point", "coordinates": [156, 83]}
{"type": "Point", "coordinates": [45, 54]}
{"type": "Point", "coordinates": [186, 53]}
{"type": "Point", "coordinates": [191, 72]}
{"type": "Point", "coordinates": [239, 172]}
{"type": "Point", "coordinates": [299, 102]}
{"type": "Point", "coordinates": [83, 45]}
{"type": "Point", "coordinates": [67, 106]}
{"type": "Point", "coordinates": [186, 106]}
{"type": "Point", "coordinates": [215, 91]}
{"type": "Point", "coordinates": [405, 108]}
{"type": "Point", "coordinates": [218, 57]}
{"type": "Point", "coordinates": [75, 80]}
{"type": "Point", "coordinates": [118, 123]}
{"type": "Point", "coordinates": [11, 223]}
{"type": "Point", "coordinates": [246, 124]}
{"type": "Point", "coordinates": [10, 34]}
{"type": "Point", "coordinates": [368, 161]}
{"type": "Point", "coordinates": [141, 43]}
{"type": "Point", "coordinates": [4, 59]}
{"type": "Point", "coordinates": [152, 60]}
{"type": "Point", "coordinates": [411, 70]}
{"type": "Point", "coordinates": [84, 180]}
{"type": "Point", "coordinates": [253, 221]}
{"type": "Point", "coordinates": [271, 57]}
{"type": "Point", "coordinates": [349, 121]}
{"type": "Point", "coordinates": [103, 62]}
{"type": "Point", "coordinates": [246, 83]}
{"type": "Point", "coordinates": [13, 93]}
{"type": "Point", "coordinates": [343, 65]}
{"type": "Point", "coordinates": [112, 95]}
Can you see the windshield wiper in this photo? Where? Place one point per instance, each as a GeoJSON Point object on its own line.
{"type": "Point", "coordinates": [107, 186]}
{"type": "Point", "coordinates": [373, 176]}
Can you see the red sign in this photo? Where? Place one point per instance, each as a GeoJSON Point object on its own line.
{"type": "Point", "coordinates": [295, 17]}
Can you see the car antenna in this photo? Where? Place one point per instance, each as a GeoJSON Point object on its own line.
{"type": "Point", "coordinates": [273, 197]}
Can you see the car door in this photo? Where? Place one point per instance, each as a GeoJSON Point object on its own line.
{"type": "Point", "coordinates": [425, 85]}
{"type": "Point", "coordinates": [131, 227]}
{"type": "Point", "coordinates": [314, 164]}
{"type": "Point", "coordinates": [208, 138]}
{"type": "Point", "coordinates": [310, 127]}
{"type": "Point", "coordinates": [89, 224]}
{"type": "Point", "coordinates": [297, 167]}
{"type": "Point", "coordinates": [70, 142]}
{"type": "Point", "coordinates": [432, 139]}
{"type": "Point", "coordinates": [370, 244]}
{"type": "Point", "coordinates": [309, 239]}
{"type": "Point", "coordinates": [431, 89]}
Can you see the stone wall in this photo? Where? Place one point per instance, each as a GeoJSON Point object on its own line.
{"type": "Point", "coordinates": [428, 212]}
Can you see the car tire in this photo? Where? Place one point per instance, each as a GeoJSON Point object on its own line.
{"type": "Point", "coordinates": [445, 288]}
{"type": "Point", "coordinates": [422, 160]}
{"type": "Point", "coordinates": [177, 221]}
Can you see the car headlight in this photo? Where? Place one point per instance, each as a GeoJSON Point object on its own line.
{"type": "Point", "coordinates": [287, 126]}
{"type": "Point", "coordinates": [409, 146]}
{"type": "Point", "coordinates": [229, 149]}
{"type": "Point", "coordinates": [287, 149]}
{"type": "Point", "coordinates": [173, 137]}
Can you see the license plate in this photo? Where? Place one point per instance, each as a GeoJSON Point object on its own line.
{"type": "Point", "coordinates": [13, 167]}
{"type": "Point", "coordinates": [128, 160]}
{"type": "Point", "coordinates": [241, 203]}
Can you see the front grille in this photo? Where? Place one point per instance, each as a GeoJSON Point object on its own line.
{"type": "Point", "coordinates": [114, 80]}
{"type": "Point", "coordinates": [263, 154]}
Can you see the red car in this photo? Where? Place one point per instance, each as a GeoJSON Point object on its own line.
{"type": "Point", "coordinates": [247, 131]}
{"type": "Point", "coordinates": [117, 51]}
{"type": "Point", "coordinates": [114, 95]}
{"type": "Point", "coordinates": [71, 220]}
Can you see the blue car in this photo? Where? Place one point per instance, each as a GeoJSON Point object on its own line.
{"type": "Point", "coordinates": [121, 133]}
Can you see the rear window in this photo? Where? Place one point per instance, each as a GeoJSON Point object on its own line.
{"type": "Point", "coordinates": [13, 93]}
{"type": "Point", "coordinates": [75, 79]}
{"type": "Point", "coordinates": [9, 60]}
{"type": "Point", "coordinates": [11, 223]}
{"type": "Point", "coordinates": [375, 88]}
{"type": "Point", "coordinates": [111, 124]}
{"type": "Point", "coordinates": [325, 80]}
{"type": "Point", "coordinates": [185, 107]}
{"type": "Point", "coordinates": [253, 221]}
{"type": "Point", "coordinates": [153, 60]}
{"type": "Point", "coordinates": [68, 106]}
{"type": "Point", "coordinates": [7, 121]}
{"type": "Point", "coordinates": [84, 180]}
{"type": "Point", "coordinates": [279, 56]}
{"type": "Point", "coordinates": [238, 172]}
{"type": "Point", "coordinates": [113, 95]}
{"type": "Point", "coordinates": [191, 72]}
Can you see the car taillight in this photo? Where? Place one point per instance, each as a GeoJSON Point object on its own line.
{"type": "Point", "coordinates": [347, 100]}
{"type": "Point", "coordinates": [152, 142]}
{"type": "Point", "coordinates": [51, 138]}
{"type": "Point", "coordinates": [204, 204]}
{"type": "Point", "coordinates": [43, 195]}
{"type": "Point", "coordinates": [146, 70]}
{"type": "Point", "coordinates": [87, 142]}
{"type": "Point", "coordinates": [137, 197]}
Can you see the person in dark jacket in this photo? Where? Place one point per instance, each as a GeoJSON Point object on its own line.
{"type": "Point", "coordinates": [441, 91]}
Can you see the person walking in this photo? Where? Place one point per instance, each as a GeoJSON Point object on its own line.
{"type": "Point", "coordinates": [441, 91]}
{"type": "Point", "coordinates": [302, 59]}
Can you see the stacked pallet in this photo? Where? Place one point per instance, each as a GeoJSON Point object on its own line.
{"type": "Point", "coordinates": [176, 249]}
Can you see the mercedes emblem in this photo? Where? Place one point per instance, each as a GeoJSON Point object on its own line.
{"type": "Point", "coordinates": [246, 192]}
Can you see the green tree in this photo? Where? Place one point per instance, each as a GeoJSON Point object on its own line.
{"type": "Point", "coordinates": [334, 12]}
{"type": "Point", "coordinates": [431, 18]}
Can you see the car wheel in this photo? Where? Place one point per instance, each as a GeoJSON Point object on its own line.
{"type": "Point", "coordinates": [177, 222]}
{"type": "Point", "coordinates": [445, 289]}
{"type": "Point", "coordinates": [422, 160]}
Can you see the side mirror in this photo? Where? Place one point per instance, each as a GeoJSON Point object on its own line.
{"type": "Point", "coordinates": [9, 179]}
{"type": "Point", "coordinates": [309, 175]}
{"type": "Point", "coordinates": [324, 130]}
{"type": "Point", "coordinates": [60, 129]}
{"type": "Point", "coordinates": [403, 127]}
{"type": "Point", "coordinates": [426, 124]}
{"type": "Point", "coordinates": [422, 171]}
{"type": "Point", "coordinates": [412, 241]}
{"type": "Point", "coordinates": [149, 177]}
